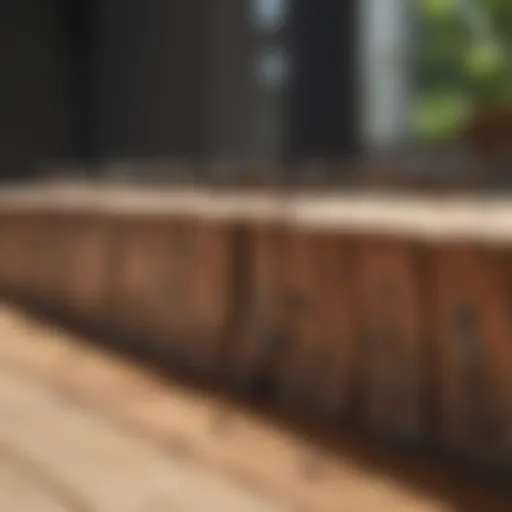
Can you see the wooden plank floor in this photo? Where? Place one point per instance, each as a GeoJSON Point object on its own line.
{"type": "Point", "coordinates": [83, 430]}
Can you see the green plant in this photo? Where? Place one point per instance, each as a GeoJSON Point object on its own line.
{"type": "Point", "coordinates": [463, 60]}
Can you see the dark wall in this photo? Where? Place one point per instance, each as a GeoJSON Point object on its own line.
{"type": "Point", "coordinates": [34, 94]}
{"type": "Point", "coordinates": [118, 79]}
{"type": "Point", "coordinates": [230, 84]}
{"type": "Point", "coordinates": [175, 79]}
{"type": "Point", "coordinates": [323, 97]}
{"type": "Point", "coordinates": [78, 19]}
{"type": "Point", "coordinates": [91, 80]}
{"type": "Point", "coordinates": [151, 78]}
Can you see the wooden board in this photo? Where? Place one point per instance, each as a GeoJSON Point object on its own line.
{"type": "Point", "coordinates": [318, 375]}
{"type": "Point", "coordinates": [89, 246]}
{"type": "Point", "coordinates": [173, 288]}
{"type": "Point", "coordinates": [394, 315]}
{"type": "Point", "coordinates": [473, 343]}
{"type": "Point", "coordinates": [257, 346]}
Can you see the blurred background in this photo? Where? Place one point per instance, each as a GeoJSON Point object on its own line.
{"type": "Point", "coordinates": [240, 83]}
{"type": "Point", "coordinates": [200, 88]}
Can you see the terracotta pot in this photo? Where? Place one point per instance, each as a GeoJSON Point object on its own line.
{"type": "Point", "coordinates": [488, 133]}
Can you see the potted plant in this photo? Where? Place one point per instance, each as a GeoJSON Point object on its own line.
{"type": "Point", "coordinates": [466, 73]}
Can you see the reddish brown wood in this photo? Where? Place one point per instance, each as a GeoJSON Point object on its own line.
{"type": "Point", "coordinates": [390, 276]}
{"type": "Point", "coordinates": [318, 374]}
{"type": "Point", "coordinates": [473, 341]}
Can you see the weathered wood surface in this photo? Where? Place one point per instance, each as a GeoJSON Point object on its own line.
{"type": "Point", "coordinates": [485, 217]}
{"type": "Point", "coordinates": [391, 311]}
{"type": "Point", "coordinates": [84, 431]}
